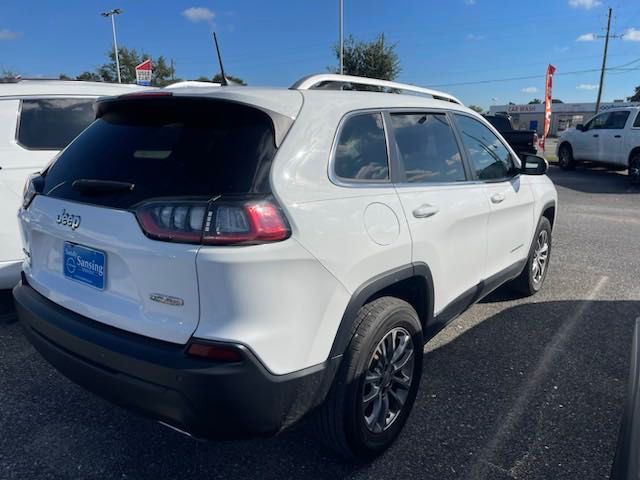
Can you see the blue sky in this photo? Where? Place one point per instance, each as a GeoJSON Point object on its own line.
{"type": "Point", "coordinates": [443, 43]}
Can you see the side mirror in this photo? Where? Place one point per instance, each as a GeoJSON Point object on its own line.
{"type": "Point", "coordinates": [580, 127]}
{"type": "Point", "coordinates": [534, 165]}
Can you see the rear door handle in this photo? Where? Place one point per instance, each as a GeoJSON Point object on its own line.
{"type": "Point", "coordinates": [617, 136]}
{"type": "Point", "coordinates": [425, 211]}
{"type": "Point", "coordinates": [595, 135]}
{"type": "Point", "coordinates": [497, 198]}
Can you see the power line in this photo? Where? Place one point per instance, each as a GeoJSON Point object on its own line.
{"type": "Point", "coordinates": [619, 68]}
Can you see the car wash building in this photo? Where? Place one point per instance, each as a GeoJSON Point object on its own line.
{"type": "Point", "coordinates": [563, 115]}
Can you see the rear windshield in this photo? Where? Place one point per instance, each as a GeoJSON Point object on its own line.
{"type": "Point", "coordinates": [168, 148]}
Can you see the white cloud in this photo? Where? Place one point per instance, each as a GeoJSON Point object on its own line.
{"type": "Point", "coordinates": [588, 4]}
{"type": "Point", "coordinates": [586, 37]}
{"type": "Point", "coordinates": [6, 34]}
{"type": "Point", "coordinates": [587, 86]}
{"type": "Point", "coordinates": [631, 35]}
{"type": "Point", "coordinates": [469, 2]}
{"type": "Point", "coordinates": [474, 37]}
{"type": "Point", "coordinates": [562, 49]}
{"type": "Point", "coordinates": [529, 90]}
{"type": "Point", "coordinates": [199, 14]}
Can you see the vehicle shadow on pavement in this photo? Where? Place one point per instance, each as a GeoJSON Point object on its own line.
{"type": "Point", "coordinates": [7, 309]}
{"type": "Point", "coordinates": [535, 391]}
{"type": "Point", "coordinates": [589, 178]}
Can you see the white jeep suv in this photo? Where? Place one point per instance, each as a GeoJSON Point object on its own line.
{"type": "Point", "coordinates": [227, 260]}
{"type": "Point", "coordinates": [38, 118]}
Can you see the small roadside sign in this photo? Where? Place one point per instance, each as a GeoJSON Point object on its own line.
{"type": "Point", "coordinates": [143, 73]}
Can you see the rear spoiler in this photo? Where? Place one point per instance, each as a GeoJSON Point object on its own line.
{"type": "Point", "coordinates": [281, 123]}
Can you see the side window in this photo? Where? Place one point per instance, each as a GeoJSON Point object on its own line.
{"type": "Point", "coordinates": [427, 148]}
{"type": "Point", "coordinates": [361, 152]}
{"type": "Point", "coordinates": [489, 158]}
{"type": "Point", "coordinates": [617, 120]}
{"type": "Point", "coordinates": [636, 122]}
{"type": "Point", "coordinates": [51, 124]}
{"type": "Point", "coordinates": [597, 122]}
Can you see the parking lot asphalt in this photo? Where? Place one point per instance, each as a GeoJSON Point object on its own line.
{"type": "Point", "coordinates": [514, 388]}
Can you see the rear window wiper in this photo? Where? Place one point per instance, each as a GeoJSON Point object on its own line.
{"type": "Point", "coordinates": [89, 186]}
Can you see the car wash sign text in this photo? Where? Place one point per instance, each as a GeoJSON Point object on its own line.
{"type": "Point", "coordinates": [143, 73]}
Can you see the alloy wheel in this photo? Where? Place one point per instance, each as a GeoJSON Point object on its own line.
{"type": "Point", "coordinates": [564, 157]}
{"type": "Point", "coordinates": [634, 171]}
{"type": "Point", "coordinates": [388, 379]}
{"type": "Point", "coordinates": [540, 256]}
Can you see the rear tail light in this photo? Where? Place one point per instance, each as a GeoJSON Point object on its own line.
{"type": "Point", "coordinates": [222, 222]}
{"type": "Point", "coordinates": [220, 353]}
{"type": "Point", "coordinates": [32, 187]}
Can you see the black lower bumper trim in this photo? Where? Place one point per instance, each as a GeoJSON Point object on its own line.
{"type": "Point", "coordinates": [155, 378]}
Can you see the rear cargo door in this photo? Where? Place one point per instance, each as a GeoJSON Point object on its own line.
{"type": "Point", "coordinates": [88, 249]}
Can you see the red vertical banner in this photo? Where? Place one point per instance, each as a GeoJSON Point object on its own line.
{"type": "Point", "coordinates": [547, 103]}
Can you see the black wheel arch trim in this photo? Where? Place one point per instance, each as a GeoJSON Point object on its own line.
{"type": "Point", "coordinates": [373, 286]}
{"type": "Point", "coordinates": [634, 151]}
{"type": "Point", "coordinates": [547, 206]}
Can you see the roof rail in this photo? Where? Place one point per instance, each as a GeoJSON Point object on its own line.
{"type": "Point", "coordinates": [331, 80]}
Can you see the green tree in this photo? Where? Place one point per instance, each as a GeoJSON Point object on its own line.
{"type": "Point", "coordinates": [375, 59]}
{"type": "Point", "coordinates": [10, 74]}
{"type": "Point", "coordinates": [217, 78]}
{"type": "Point", "coordinates": [476, 108]}
{"type": "Point", "coordinates": [636, 95]}
{"type": "Point", "coordinates": [89, 77]}
{"type": "Point", "coordinates": [535, 101]}
{"type": "Point", "coordinates": [64, 77]}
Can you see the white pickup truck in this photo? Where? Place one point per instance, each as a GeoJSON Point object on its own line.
{"type": "Point", "coordinates": [611, 137]}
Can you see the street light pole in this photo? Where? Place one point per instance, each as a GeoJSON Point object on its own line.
{"type": "Point", "coordinates": [112, 14]}
{"type": "Point", "coordinates": [341, 21]}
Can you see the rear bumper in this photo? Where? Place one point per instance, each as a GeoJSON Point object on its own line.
{"type": "Point", "coordinates": [157, 379]}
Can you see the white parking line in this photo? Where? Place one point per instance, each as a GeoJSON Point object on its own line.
{"type": "Point", "coordinates": [553, 348]}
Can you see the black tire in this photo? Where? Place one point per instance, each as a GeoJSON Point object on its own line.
{"type": "Point", "coordinates": [527, 283]}
{"type": "Point", "coordinates": [634, 169]}
{"type": "Point", "coordinates": [340, 420]}
{"type": "Point", "coordinates": [565, 157]}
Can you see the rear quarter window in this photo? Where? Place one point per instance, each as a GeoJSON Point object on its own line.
{"type": "Point", "coordinates": [361, 150]}
{"type": "Point", "coordinates": [51, 124]}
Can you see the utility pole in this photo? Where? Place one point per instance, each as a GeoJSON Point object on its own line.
{"type": "Point", "coordinates": [341, 21]}
{"type": "Point", "coordinates": [112, 14]}
{"type": "Point", "coordinates": [604, 59]}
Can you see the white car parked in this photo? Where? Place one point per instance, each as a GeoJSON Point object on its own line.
{"type": "Point", "coordinates": [233, 258]}
{"type": "Point", "coordinates": [611, 138]}
{"type": "Point", "coordinates": [38, 118]}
